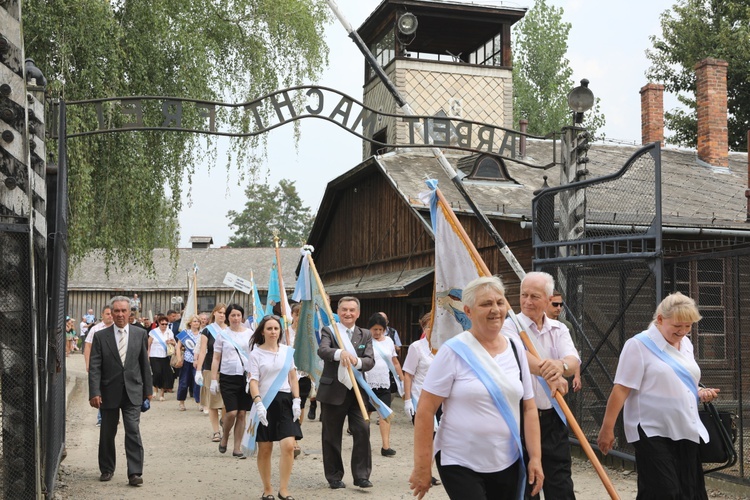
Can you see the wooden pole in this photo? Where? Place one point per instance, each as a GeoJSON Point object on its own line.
{"type": "Point", "coordinates": [282, 292]}
{"type": "Point", "coordinates": [335, 331]}
{"type": "Point", "coordinates": [530, 347]}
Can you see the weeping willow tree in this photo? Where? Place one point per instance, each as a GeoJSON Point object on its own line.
{"type": "Point", "coordinates": [125, 189]}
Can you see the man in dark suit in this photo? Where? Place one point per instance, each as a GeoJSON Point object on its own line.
{"type": "Point", "coordinates": [339, 402]}
{"type": "Point", "coordinates": [120, 380]}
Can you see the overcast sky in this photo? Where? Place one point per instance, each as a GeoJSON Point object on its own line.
{"type": "Point", "coordinates": [607, 44]}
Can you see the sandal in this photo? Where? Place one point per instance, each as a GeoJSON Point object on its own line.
{"type": "Point", "coordinates": [216, 437]}
{"type": "Point", "coordinates": [182, 407]}
{"type": "Point", "coordinates": [239, 455]}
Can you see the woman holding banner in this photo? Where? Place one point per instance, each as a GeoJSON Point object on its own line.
{"type": "Point", "coordinates": [386, 361]}
{"type": "Point", "coordinates": [228, 376]}
{"type": "Point", "coordinates": [159, 340]}
{"type": "Point", "coordinates": [478, 376]}
{"type": "Point", "coordinates": [657, 382]}
{"type": "Point", "coordinates": [274, 390]}
{"type": "Point", "coordinates": [212, 403]}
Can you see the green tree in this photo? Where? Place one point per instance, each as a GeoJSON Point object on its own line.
{"type": "Point", "coordinates": [542, 76]}
{"type": "Point", "coordinates": [126, 189]}
{"type": "Point", "coordinates": [266, 210]}
{"type": "Point", "coordinates": [691, 31]}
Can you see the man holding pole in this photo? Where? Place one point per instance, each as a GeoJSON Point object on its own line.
{"type": "Point", "coordinates": [558, 358]}
{"type": "Point", "coordinates": [338, 399]}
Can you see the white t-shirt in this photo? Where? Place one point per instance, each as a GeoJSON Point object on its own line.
{"type": "Point", "coordinates": [659, 401]}
{"type": "Point", "coordinates": [265, 366]}
{"type": "Point", "coordinates": [378, 377]}
{"type": "Point", "coordinates": [417, 362]}
{"type": "Point", "coordinates": [554, 338]}
{"type": "Point", "coordinates": [93, 330]}
{"type": "Point", "coordinates": [472, 433]}
{"type": "Point", "coordinates": [231, 363]}
{"type": "Point", "coordinates": [157, 349]}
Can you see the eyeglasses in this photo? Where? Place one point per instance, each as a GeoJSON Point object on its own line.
{"type": "Point", "coordinates": [557, 304]}
{"type": "Point", "coordinates": [163, 323]}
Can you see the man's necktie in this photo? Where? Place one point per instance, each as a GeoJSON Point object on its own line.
{"type": "Point", "coordinates": [122, 345]}
{"type": "Point", "coordinates": [349, 332]}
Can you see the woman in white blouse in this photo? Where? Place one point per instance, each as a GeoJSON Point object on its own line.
{"type": "Point", "coordinates": [378, 378]}
{"type": "Point", "coordinates": [417, 362]}
{"type": "Point", "coordinates": [158, 341]}
{"type": "Point", "coordinates": [482, 380]}
{"type": "Point", "coordinates": [267, 360]}
{"type": "Point", "coordinates": [661, 407]}
{"type": "Point", "coordinates": [231, 362]}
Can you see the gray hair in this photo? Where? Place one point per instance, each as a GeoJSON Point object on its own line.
{"type": "Point", "coordinates": [549, 281]}
{"type": "Point", "coordinates": [348, 299]}
{"type": "Point", "coordinates": [119, 298]}
{"type": "Point", "coordinates": [494, 283]}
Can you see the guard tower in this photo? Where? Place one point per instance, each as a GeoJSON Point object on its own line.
{"type": "Point", "coordinates": [447, 59]}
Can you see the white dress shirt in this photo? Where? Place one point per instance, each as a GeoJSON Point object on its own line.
{"type": "Point", "coordinates": [659, 401]}
{"type": "Point", "coordinates": [554, 337]}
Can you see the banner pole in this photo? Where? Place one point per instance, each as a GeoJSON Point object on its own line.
{"type": "Point", "coordinates": [337, 334]}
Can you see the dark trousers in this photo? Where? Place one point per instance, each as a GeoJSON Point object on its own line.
{"type": "Point", "coordinates": [668, 470]}
{"type": "Point", "coordinates": [131, 419]}
{"type": "Point", "coordinates": [187, 383]}
{"type": "Point", "coordinates": [558, 481]}
{"type": "Point", "coordinates": [461, 483]}
{"type": "Point", "coordinates": [332, 417]}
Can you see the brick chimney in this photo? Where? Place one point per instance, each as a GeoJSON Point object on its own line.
{"type": "Point", "coordinates": [652, 113]}
{"type": "Point", "coordinates": [711, 100]}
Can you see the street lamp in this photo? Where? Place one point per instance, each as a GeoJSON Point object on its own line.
{"type": "Point", "coordinates": [580, 100]}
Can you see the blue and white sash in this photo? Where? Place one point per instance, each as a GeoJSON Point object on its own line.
{"type": "Point", "coordinates": [214, 330]}
{"type": "Point", "coordinates": [489, 373]}
{"type": "Point", "coordinates": [383, 410]}
{"type": "Point", "coordinates": [157, 336]}
{"type": "Point", "coordinates": [679, 370]}
{"type": "Point", "coordinates": [391, 367]}
{"type": "Point", "coordinates": [189, 340]}
{"type": "Point", "coordinates": [542, 352]}
{"type": "Point", "coordinates": [240, 350]}
{"type": "Point", "coordinates": [251, 431]}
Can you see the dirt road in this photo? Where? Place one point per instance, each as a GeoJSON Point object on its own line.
{"type": "Point", "coordinates": [181, 460]}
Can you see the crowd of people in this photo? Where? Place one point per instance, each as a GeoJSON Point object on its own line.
{"type": "Point", "coordinates": [484, 407]}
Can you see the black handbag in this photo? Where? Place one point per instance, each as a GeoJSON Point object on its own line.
{"type": "Point", "coordinates": [722, 434]}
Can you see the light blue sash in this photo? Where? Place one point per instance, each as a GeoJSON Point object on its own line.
{"type": "Point", "coordinates": [248, 440]}
{"type": "Point", "coordinates": [498, 397]}
{"type": "Point", "coordinates": [679, 370]}
{"type": "Point", "coordinates": [391, 366]}
{"type": "Point", "coordinates": [240, 351]}
{"type": "Point", "coordinates": [212, 330]}
{"type": "Point", "coordinates": [161, 341]}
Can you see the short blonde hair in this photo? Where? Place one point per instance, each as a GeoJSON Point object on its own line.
{"type": "Point", "coordinates": [678, 307]}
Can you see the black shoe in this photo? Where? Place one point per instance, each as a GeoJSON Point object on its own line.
{"type": "Point", "coordinates": [106, 476]}
{"type": "Point", "coordinates": [435, 481]}
{"type": "Point", "coordinates": [135, 479]}
{"type": "Point", "coordinates": [311, 414]}
{"type": "Point", "coordinates": [387, 452]}
{"type": "Point", "coordinates": [336, 484]}
{"type": "Point", "coordinates": [363, 483]}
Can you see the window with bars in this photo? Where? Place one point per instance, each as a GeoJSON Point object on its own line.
{"type": "Point", "coordinates": [704, 281]}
